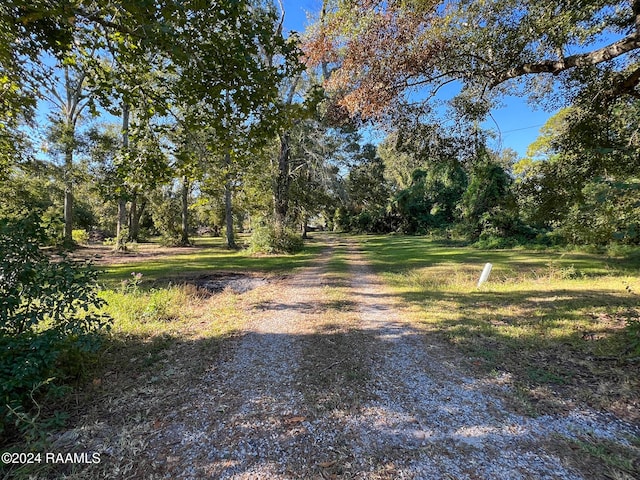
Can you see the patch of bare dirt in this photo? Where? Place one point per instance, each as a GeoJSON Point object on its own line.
{"type": "Point", "coordinates": [104, 255]}
{"type": "Point", "coordinates": [220, 281]}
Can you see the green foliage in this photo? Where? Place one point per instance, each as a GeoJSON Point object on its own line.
{"type": "Point", "coordinates": [166, 217]}
{"type": "Point", "coordinates": [341, 220]}
{"type": "Point", "coordinates": [80, 237]}
{"type": "Point", "coordinates": [266, 239]}
{"type": "Point", "coordinates": [121, 241]}
{"type": "Point", "coordinates": [609, 212]}
{"type": "Point", "coordinates": [386, 49]}
{"type": "Point", "coordinates": [399, 164]}
{"type": "Point", "coordinates": [584, 179]}
{"type": "Point", "coordinates": [430, 202]}
{"type": "Point", "coordinates": [366, 184]}
{"type": "Point", "coordinates": [368, 194]}
{"type": "Point", "coordinates": [48, 311]}
{"type": "Point", "coordinates": [488, 206]}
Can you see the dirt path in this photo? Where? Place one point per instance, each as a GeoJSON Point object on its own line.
{"type": "Point", "coordinates": [241, 423]}
{"type": "Point", "coordinates": [329, 381]}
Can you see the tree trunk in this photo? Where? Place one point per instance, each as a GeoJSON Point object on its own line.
{"type": "Point", "coordinates": [281, 187]}
{"type": "Point", "coordinates": [305, 226]}
{"type": "Point", "coordinates": [133, 210]}
{"type": "Point", "coordinates": [185, 212]}
{"type": "Point", "coordinates": [121, 225]}
{"type": "Point", "coordinates": [122, 202]}
{"type": "Point", "coordinates": [135, 214]}
{"type": "Point", "coordinates": [71, 109]}
{"type": "Point", "coordinates": [68, 196]}
{"type": "Point", "coordinates": [228, 210]}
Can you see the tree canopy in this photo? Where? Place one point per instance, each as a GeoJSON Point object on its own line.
{"type": "Point", "coordinates": [383, 49]}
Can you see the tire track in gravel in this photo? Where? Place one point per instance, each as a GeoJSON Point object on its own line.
{"type": "Point", "coordinates": [329, 381]}
{"type": "Point", "coordinates": [429, 421]}
{"type": "Point", "coordinates": [245, 418]}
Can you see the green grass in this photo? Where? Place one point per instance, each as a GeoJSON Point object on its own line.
{"type": "Point", "coordinates": [338, 266]}
{"type": "Point", "coordinates": [164, 308]}
{"type": "Point", "coordinates": [396, 253]}
{"type": "Point", "coordinates": [551, 320]}
{"type": "Point", "coordinates": [163, 311]}
{"type": "Point", "coordinates": [601, 458]}
{"type": "Point", "coordinates": [208, 255]}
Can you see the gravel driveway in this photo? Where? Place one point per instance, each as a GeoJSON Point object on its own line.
{"type": "Point", "coordinates": [417, 415]}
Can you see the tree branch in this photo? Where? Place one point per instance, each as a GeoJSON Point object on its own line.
{"type": "Point", "coordinates": [616, 49]}
{"type": "Point", "coordinates": [94, 17]}
{"type": "Point", "coordinates": [629, 84]}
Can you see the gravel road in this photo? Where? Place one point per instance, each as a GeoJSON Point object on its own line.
{"type": "Point", "coordinates": [421, 417]}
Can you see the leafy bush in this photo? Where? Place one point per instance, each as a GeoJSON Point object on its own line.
{"type": "Point", "coordinates": [48, 313]}
{"type": "Point", "coordinates": [491, 242]}
{"type": "Point", "coordinates": [80, 237]}
{"type": "Point", "coordinates": [377, 221]}
{"type": "Point", "coordinates": [170, 239]}
{"type": "Point", "coordinates": [265, 239]}
{"type": "Point", "coordinates": [362, 222]}
{"type": "Point", "coordinates": [607, 213]}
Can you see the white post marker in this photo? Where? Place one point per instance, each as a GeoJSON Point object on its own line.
{"type": "Point", "coordinates": [485, 274]}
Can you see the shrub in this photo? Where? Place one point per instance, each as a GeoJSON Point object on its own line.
{"type": "Point", "coordinates": [362, 222]}
{"type": "Point", "coordinates": [265, 239]}
{"type": "Point", "coordinates": [80, 237]}
{"type": "Point", "coordinates": [48, 313]}
{"type": "Point", "coordinates": [170, 239]}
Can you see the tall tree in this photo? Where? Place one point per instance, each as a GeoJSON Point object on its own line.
{"type": "Point", "coordinates": [238, 61]}
{"type": "Point", "coordinates": [65, 88]}
{"type": "Point", "coordinates": [582, 174]}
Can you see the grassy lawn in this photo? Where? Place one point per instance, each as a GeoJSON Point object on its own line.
{"type": "Point", "coordinates": [165, 309]}
{"type": "Point", "coordinates": [207, 255]}
{"type": "Point", "coordinates": [546, 321]}
{"type": "Point", "coordinates": [550, 324]}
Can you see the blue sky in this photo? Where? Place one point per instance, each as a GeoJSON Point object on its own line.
{"type": "Point", "coordinates": [518, 121]}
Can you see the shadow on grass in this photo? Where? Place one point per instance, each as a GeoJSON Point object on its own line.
{"type": "Point", "coordinates": [542, 337]}
{"type": "Point", "coordinates": [157, 389]}
{"type": "Point", "coordinates": [209, 260]}
{"type": "Point", "coordinates": [155, 404]}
